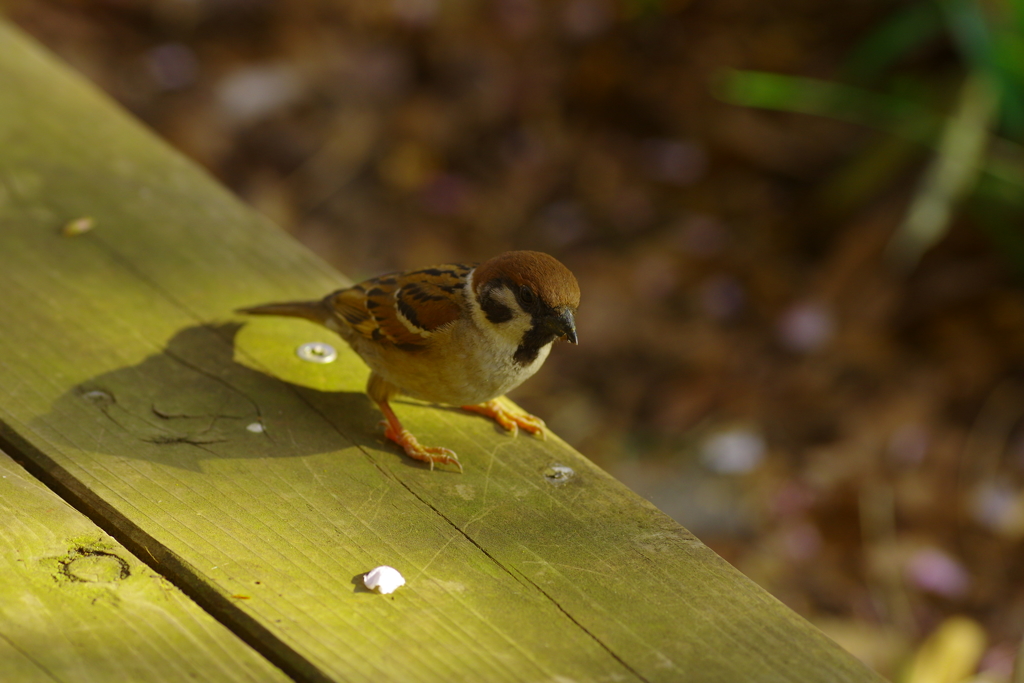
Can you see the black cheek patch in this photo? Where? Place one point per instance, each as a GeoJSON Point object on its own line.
{"type": "Point", "coordinates": [495, 311]}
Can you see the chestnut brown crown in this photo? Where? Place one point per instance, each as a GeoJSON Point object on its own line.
{"type": "Point", "coordinates": [545, 275]}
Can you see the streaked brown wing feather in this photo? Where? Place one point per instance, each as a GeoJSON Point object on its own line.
{"type": "Point", "coordinates": [350, 305]}
{"type": "Point", "coordinates": [425, 298]}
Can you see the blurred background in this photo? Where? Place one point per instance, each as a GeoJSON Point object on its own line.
{"type": "Point", "coordinates": [797, 226]}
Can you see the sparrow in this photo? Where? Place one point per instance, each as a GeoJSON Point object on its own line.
{"type": "Point", "coordinates": [458, 334]}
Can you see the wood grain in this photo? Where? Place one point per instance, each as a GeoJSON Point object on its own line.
{"type": "Point", "coordinates": [260, 482]}
{"type": "Point", "coordinates": [75, 605]}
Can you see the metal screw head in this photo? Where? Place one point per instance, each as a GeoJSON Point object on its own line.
{"type": "Point", "coordinates": [317, 352]}
{"type": "Point", "coordinates": [98, 397]}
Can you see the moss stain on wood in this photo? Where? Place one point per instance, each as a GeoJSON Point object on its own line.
{"type": "Point", "coordinates": [76, 605]}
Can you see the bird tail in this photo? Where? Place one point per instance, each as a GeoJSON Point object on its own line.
{"type": "Point", "coordinates": [317, 311]}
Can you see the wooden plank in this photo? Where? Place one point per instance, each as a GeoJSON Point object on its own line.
{"type": "Point", "coordinates": [76, 605]}
{"type": "Point", "coordinates": [126, 382]}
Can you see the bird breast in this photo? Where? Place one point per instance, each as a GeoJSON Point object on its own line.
{"type": "Point", "coordinates": [463, 365]}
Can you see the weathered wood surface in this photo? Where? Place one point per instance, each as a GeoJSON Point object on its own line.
{"type": "Point", "coordinates": [125, 380]}
{"type": "Point", "coordinates": [75, 605]}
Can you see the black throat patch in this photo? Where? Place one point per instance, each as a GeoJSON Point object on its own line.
{"type": "Point", "coordinates": [533, 341]}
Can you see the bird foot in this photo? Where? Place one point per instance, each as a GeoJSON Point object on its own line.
{"type": "Point", "coordinates": [414, 449]}
{"type": "Point", "coordinates": [509, 419]}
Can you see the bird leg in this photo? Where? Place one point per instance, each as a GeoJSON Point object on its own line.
{"type": "Point", "coordinates": [394, 431]}
{"type": "Point", "coordinates": [508, 419]}
{"type": "Point", "coordinates": [381, 391]}
{"type": "Point", "coordinates": [428, 454]}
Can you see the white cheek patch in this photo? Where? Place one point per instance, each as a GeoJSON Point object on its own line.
{"type": "Point", "coordinates": [502, 338]}
{"type": "Point", "coordinates": [521, 322]}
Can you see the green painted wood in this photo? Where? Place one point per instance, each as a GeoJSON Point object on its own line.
{"type": "Point", "coordinates": [127, 382]}
{"type": "Point", "coordinates": [75, 605]}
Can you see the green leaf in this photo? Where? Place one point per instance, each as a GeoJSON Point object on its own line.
{"type": "Point", "coordinates": [904, 30]}
{"type": "Point", "coordinates": [995, 51]}
{"type": "Point", "coordinates": [825, 98]}
{"type": "Point", "coordinates": [952, 173]}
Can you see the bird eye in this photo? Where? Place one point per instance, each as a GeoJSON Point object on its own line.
{"type": "Point", "coordinates": [526, 295]}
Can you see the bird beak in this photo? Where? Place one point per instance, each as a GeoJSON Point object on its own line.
{"type": "Point", "coordinates": [564, 326]}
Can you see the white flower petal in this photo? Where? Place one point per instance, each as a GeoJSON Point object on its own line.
{"type": "Point", "coordinates": [383, 579]}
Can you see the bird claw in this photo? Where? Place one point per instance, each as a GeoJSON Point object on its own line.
{"type": "Point", "coordinates": [509, 419]}
{"type": "Point", "coordinates": [414, 449]}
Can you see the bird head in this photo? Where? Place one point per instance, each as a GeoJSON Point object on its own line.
{"type": "Point", "coordinates": [529, 298]}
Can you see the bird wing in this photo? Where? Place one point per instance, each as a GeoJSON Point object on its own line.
{"type": "Point", "coordinates": [403, 309]}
